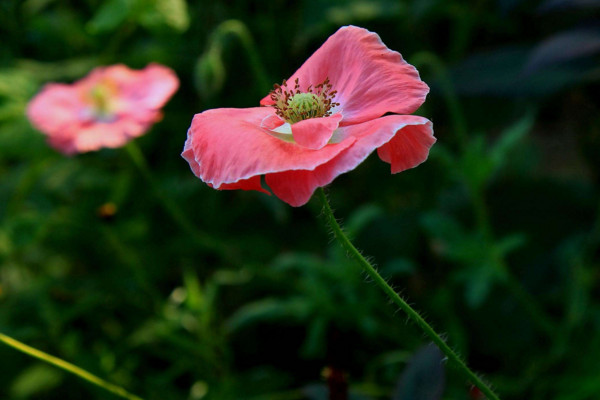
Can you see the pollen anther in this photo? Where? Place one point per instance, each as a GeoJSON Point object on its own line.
{"type": "Point", "coordinates": [293, 105]}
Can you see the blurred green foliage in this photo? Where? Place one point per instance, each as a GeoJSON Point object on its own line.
{"type": "Point", "coordinates": [495, 238]}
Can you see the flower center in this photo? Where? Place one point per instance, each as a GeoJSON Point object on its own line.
{"type": "Point", "coordinates": [101, 100]}
{"type": "Point", "coordinates": [294, 105]}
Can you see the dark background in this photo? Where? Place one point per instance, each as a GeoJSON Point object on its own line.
{"type": "Point", "coordinates": [495, 238]}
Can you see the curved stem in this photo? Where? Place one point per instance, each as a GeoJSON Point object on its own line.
{"type": "Point", "coordinates": [399, 301]}
{"type": "Point", "coordinates": [68, 367]}
{"type": "Point", "coordinates": [238, 29]}
{"type": "Point", "coordinates": [201, 238]}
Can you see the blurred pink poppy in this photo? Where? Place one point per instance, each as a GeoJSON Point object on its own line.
{"type": "Point", "coordinates": [107, 108]}
{"type": "Point", "coordinates": [323, 121]}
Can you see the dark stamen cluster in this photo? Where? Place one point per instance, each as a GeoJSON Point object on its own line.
{"type": "Point", "coordinates": [293, 105]}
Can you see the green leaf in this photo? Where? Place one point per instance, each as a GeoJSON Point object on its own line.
{"type": "Point", "coordinates": [442, 226]}
{"type": "Point", "coordinates": [452, 241]}
{"type": "Point", "coordinates": [479, 281]}
{"type": "Point", "coordinates": [16, 88]}
{"type": "Point", "coordinates": [35, 379]}
{"type": "Point", "coordinates": [175, 13]}
{"type": "Point", "coordinates": [193, 289]}
{"type": "Point", "coordinates": [509, 140]}
{"type": "Point", "coordinates": [443, 155]}
{"type": "Point", "coordinates": [510, 243]}
{"type": "Point", "coordinates": [363, 10]}
{"type": "Point", "coordinates": [16, 84]}
{"type": "Point", "coordinates": [160, 13]}
{"type": "Point", "coordinates": [268, 309]}
{"type": "Point", "coordinates": [475, 164]}
{"type": "Point", "coordinates": [110, 16]}
{"type": "Point", "coordinates": [314, 345]}
{"type": "Point", "coordinates": [361, 217]}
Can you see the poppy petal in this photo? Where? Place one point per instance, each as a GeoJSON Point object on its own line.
{"type": "Point", "coordinates": [93, 137]}
{"type": "Point", "coordinates": [252, 183]}
{"type": "Point", "coordinates": [314, 133]}
{"type": "Point", "coordinates": [106, 108]}
{"type": "Point", "coordinates": [54, 108]}
{"type": "Point", "coordinates": [149, 88]}
{"type": "Point", "coordinates": [227, 145]}
{"type": "Point", "coordinates": [370, 79]}
{"type": "Point", "coordinates": [409, 147]}
{"type": "Point", "coordinates": [296, 187]}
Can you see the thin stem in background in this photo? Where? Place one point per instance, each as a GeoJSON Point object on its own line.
{"type": "Point", "coordinates": [202, 239]}
{"type": "Point", "coordinates": [237, 29]}
{"type": "Point", "coordinates": [399, 301]}
{"type": "Point", "coordinates": [68, 367]}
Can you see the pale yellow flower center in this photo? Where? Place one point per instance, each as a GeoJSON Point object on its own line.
{"type": "Point", "coordinates": [101, 99]}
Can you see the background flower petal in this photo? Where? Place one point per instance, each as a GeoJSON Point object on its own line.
{"type": "Point", "coordinates": [108, 135]}
{"type": "Point", "coordinates": [68, 115]}
{"type": "Point", "coordinates": [152, 87]}
{"type": "Point", "coordinates": [371, 79]}
{"type": "Point", "coordinates": [227, 145]}
{"type": "Point", "coordinates": [55, 107]}
{"type": "Point", "coordinates": [296, 187]}
{"type": "Point", "coordinates": [147, 89]}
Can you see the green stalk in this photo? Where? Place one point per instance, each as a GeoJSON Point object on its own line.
{"type": "Point", "coordinates": [68, 367]}
{"type": "Point", "coordinates": [238, 29]}
{"type": "Point", "coordinates": [399, 301]}
{"type": "Point", "coordinates": [202, 239]}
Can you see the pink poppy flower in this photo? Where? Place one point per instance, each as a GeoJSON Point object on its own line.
{"type": "Point", "coordinates": [107, 108]}
{"type": "Point", "coordinates": [322, 122]}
